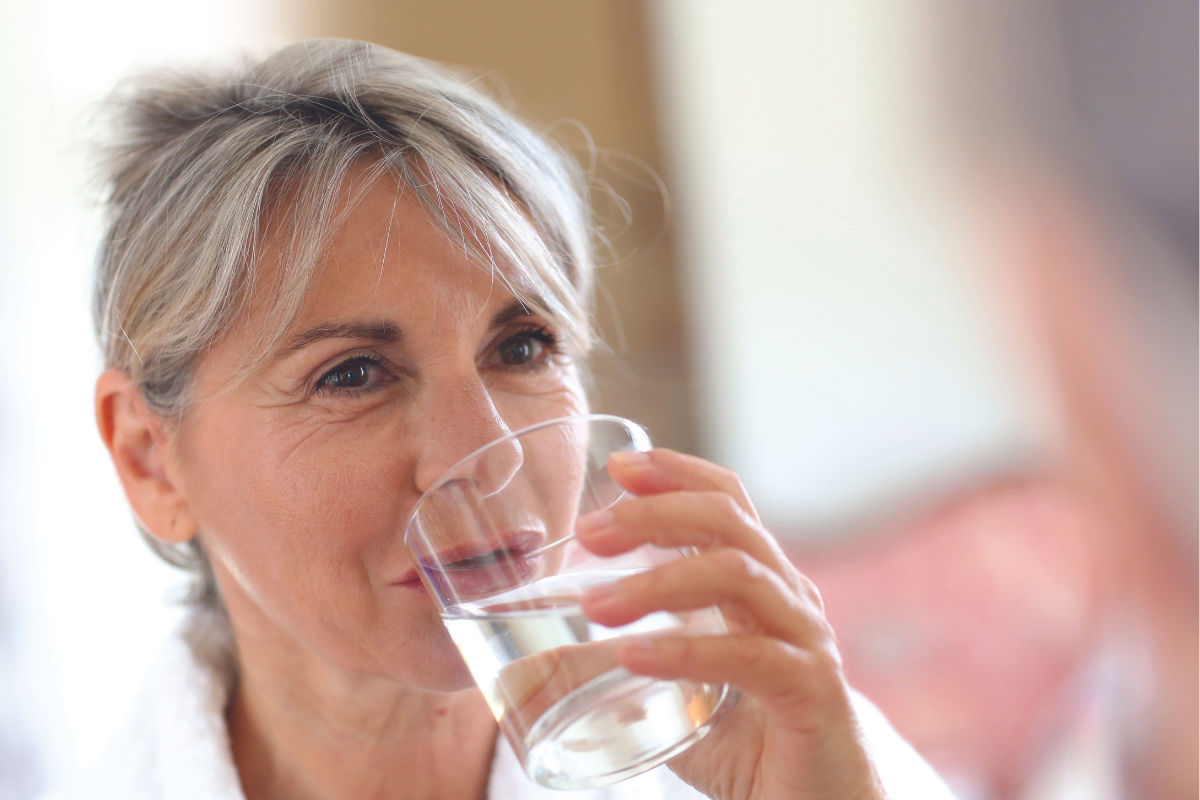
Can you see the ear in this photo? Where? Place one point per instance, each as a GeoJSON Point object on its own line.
{"type": "Point", "coordinates": [138, 444]}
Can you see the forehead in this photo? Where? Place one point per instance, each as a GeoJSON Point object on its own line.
{"type": "Point", "coordinates": [388, 257]}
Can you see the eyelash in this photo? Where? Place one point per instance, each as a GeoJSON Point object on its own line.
{"type": "Point", "coordinates": [538, 333]}
{"type": "Point", "coordinates": [363, 359]}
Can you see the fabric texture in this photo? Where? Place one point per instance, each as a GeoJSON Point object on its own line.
{"type": "Point", "coordinates": [175, 745]}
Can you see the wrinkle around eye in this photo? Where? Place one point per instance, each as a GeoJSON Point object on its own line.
{"type": "Point", "coordinates": [299, 405]}
{"type": "Point", "coordinates": [561, 395]}
{"type": "Point", "coordinates": [315, 421]}
{"type": "Point", "coordinates": [285, 395]}
{"type": "Point", "coordinates": [287, 454]}
{"type": "Point", "coordinates": [557, 372]}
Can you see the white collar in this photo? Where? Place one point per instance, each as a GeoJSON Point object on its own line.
{"type": "Point", "coordinates": [175, 744]}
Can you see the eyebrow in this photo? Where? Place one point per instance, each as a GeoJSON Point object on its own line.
{"type": "Point", "coordinates": [512, 311]}
{"type": "Point", "coordinates": [374, 331]}
{"type": "Point", "coordinates": [383, 331]}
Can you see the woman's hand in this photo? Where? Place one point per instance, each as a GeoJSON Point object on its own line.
{"type": "Point", "coordinates": [793, 733]}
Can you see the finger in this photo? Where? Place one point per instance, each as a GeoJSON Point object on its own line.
{"type": "Point", "coordinates": [662, 470]}
{"type": "Point", "coordinates": [751, 597]}
{"type": "Point", "coordinates": [705, 520]}
{"type": "Point", "coordinates": [800, 686]}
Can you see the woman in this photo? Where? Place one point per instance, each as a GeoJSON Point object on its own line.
{"type": "Point", "coordinates": [325, 279]}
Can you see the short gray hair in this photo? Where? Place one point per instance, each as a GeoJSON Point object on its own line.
{"type": "Point", "coordinates": [198, 163]}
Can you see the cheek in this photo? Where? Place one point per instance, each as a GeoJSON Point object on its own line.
{"type": "Point", "coordinates": [566, 399]}
{"type": "Point", "coordinates": [296, 520]}
{"type": "Point", "coordinates": [556, 472]}
{"type": "Point", "coordinates": [312, 538]}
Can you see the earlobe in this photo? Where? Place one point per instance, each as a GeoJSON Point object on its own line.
{"type": "Point", "coordinates": [137, 442]}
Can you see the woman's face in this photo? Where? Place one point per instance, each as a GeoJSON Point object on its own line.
{"type": "Point", "coordinates": [405, 358]}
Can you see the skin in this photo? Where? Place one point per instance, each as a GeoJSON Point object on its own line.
{"type": "Point", "coordinates": [298, 480]}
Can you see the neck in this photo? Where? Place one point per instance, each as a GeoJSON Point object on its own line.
{"type": "Point", "coordinates": [311, 732]}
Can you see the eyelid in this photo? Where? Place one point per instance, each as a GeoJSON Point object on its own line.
{"type": "Point", "coordinates": [389, 373]}
{"type": "Point", "coordinates": [528, 326]}
{"type": "Point", "coordinates": [534, 329]}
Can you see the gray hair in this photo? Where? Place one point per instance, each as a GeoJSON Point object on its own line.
{"type": "Point", "coordinates": [198, 165]}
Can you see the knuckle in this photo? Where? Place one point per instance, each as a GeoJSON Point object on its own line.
{"type": "Point", "coordinates": [763, 650]}
{"type": "Point", "coordinates": [818, 677]}
{"type": "Point", "coordinates": [825, 679]}
{"type": "Point", "coordinates": [736, 487]}
{"type": "Point", "coordinates": [826, 660]}
{"type": "Point", "coordinates": [810, 677]}
{"type": "Point", "coordinates": [737, 490]}
{"type": "Point", "coordinates": [738, 567]}
{"type": "Point", "coordinates": [803, 684]}
{"type": "Point", "coordinates": [726, 476]}
{"type": "Point", "coordinates": [809, 590]}
{"type": "Point", "coordinates": [677, 650]}
{"type": "Point", "coordinates": [725, 506]}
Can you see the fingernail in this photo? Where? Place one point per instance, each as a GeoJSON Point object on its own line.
{"type": "Point", "coordinates": [595, 522]}
{"type": "Point", "coordinates": [631, 458]}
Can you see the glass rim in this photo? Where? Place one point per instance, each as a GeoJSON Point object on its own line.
{"type": "Point", "coordinates": [445, 477]}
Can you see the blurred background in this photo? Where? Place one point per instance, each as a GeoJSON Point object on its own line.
{"type": "Point", "coordinates": [923, 272]}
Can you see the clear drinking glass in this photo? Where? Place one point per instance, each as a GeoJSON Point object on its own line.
{"type": "Point", "coordinates": [494, 541]}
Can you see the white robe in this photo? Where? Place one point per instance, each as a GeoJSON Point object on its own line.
{"type": "Point", "coordinates": [175, 745]}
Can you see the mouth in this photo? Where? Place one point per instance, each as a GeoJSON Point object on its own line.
{"type": "Point", "coordinates": [478, 569]}
{"type": "Point", "coordinates": [410, 580]}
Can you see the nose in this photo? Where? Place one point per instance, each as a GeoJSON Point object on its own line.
{"type": "Point", "coordinates": [462, 420]}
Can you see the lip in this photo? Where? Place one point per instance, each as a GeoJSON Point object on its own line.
{"type": "Point", "coordinates": [410, 579]}
{"type": "Point", "coordinates": [478, 569]}
{"type": "Point", "coordinates": [460, 557]}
